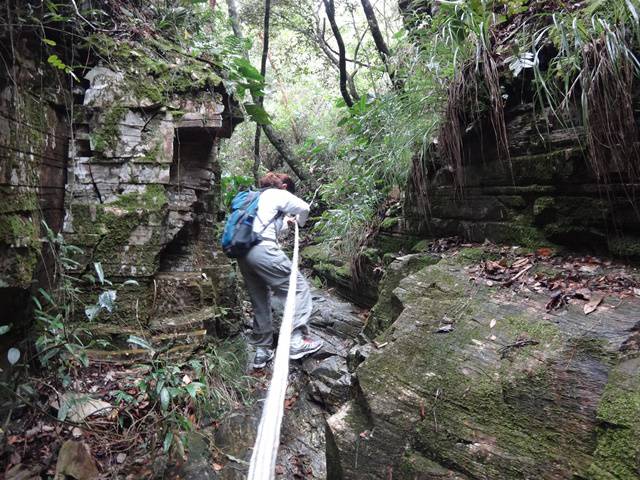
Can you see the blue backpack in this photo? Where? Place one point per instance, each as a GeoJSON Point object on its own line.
{"type": "Point", "coordinates": [238, 236]}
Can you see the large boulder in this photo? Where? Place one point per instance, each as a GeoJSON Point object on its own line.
{"type": "Point", "coordinates": [478, 383]}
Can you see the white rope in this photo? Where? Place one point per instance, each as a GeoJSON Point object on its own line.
{"type": "Point", "coordinates": [265, 450]}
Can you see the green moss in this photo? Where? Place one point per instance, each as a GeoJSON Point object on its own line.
{"type": "Point", "coordinates": [105, 136]}
{"type": "Point", "coordinates": [389, 222]}
{"type": "Point", "coordinates": [471, 255]}
{"type": "Point", "coordinates": [336, 272]}
{"type": "Point", "coordinates": [388, 306]}
{"type": "Point", "coordinates": [153, 199]}
{"type": "Point", "coordinates": [626, 246]}
{"type": "Point", "coordinates": [618, 447]}
{"type": "Point", "coordinates": [421, 246]}
{"type": "Point", "coordinates": [546, 168]}
{"type": "Point", "coordinates": [156, 69]}
{"type": "Point", "coordinates": [538, 330]}
{"type": "Point", "coordinates": [18, 231]}
{"type": "Point", "coordinates": [321, 253]}
{"type": "Point", "coordinates": [469, 394]}
{"type": "Point", "coordinates": [13, 199]}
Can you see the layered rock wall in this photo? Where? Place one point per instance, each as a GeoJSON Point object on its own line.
{"type": "Point", "coordinates": [545, 193]}
{"type": "Point", "coordinates": [123, 163]}
{"type": "Point", "coordinates": [143, 196]}
{"type": "Point", "coordinates": [34, 130]}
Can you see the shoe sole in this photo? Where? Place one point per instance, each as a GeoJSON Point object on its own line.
{"type": "Point", "coordinates": [297, 356]}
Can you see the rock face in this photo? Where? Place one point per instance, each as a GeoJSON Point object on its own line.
{"type": "Point", "coordinates": [507, 393]}
{"type": "Point", "coordinates": [143, 195]}
{"type": "Point", "coordinates": [546, 192]}
{"type": "Point", "coordinates": [33, 157]}
{"type": "Point", "coordinates": [123, 163]}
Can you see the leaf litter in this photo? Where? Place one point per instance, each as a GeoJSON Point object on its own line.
{"type": "Point", "coordinates": [585, 281]}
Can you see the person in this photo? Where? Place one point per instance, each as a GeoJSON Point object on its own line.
{"type": "Point", "coordinates": [267, 268]}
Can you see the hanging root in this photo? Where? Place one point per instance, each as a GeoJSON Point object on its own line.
{"type": "Point", "coordinates": [419, 179]}
{"type": "Point", "coordinates": [607, 104]}
{"type": "Point", "coordinates": [464, 107]}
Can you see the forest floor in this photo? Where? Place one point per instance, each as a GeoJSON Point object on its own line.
{"type": "Point", "coordinates": [119, 429]}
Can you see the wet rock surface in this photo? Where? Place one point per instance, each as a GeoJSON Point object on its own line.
{"type": "Point", "coordinates": [318, 385]}
{"type": "Point", "coordinates": [479, 382]}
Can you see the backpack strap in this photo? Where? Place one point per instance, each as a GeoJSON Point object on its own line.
{"type": "Point", "coordinates": [279, 214]}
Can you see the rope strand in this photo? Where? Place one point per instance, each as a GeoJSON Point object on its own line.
{"type": "Point", "coordinates": [265, 450]}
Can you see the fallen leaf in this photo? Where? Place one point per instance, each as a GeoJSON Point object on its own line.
{"type": "Point", "coordinates": [592, 305]}
{"type": "Point", "coordinates": [445, 328]}
{"type": "Point", "coordinates": [120, 458]}
{"type": "Point", "coordinates": [492, 323]}
{"type": "Point", "coordinates": [279, 470]}
{"type": "Point", "coordinates": [544, 252]}
{"type": "Point", "coordinates": [217, 467]}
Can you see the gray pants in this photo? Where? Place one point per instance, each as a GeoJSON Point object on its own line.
{"type": "Point", "coordinates": [264, 268]}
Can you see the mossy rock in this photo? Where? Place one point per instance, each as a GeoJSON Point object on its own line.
{"type": "Point", "coordinates": [388, 307]}
{"type": "Point", "coordinates": [503, 392]}
{"type": "Point", "coordinates": [625, 246]}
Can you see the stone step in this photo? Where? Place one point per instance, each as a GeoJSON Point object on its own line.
{"type": "Point", "coordinates": [184, 321]}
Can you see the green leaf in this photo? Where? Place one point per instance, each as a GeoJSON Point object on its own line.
{"type": "Point", "coordinates": [168, 439]}
{"type": "Point", "coordinates": [107, 300]}
{"type": "Point", "coordinates": [141, 342]}
{"type": "Point", "coordinates": [165, 398]}
{"type": "Point", "coordinates": [48, 41]}
{"type": "Point", "coordinates": [257, 114]}
{"type": "Point", "coordinates": [46, 296]}
{"type": "Point", "coordinates": [63, 411]}
{"type": "Point", "coordinates": [193, 388]}
{"type": "Point", "coordinates": [99, 271]}
{"type": "Point", "coordinates": [13, 355]}
{"type": "Point", "coordinates": [4, 329]}
{"type": "Point", "coordinates": [92, 311]}
{"type": "Point", "coordinates": [247, 70]}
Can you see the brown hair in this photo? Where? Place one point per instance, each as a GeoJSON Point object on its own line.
{"type": "Point", "coordinates": [277, 180]}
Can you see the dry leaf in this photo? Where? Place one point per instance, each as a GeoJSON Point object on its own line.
{"type": "Point", "coordinates": [217, 467]}
{"type": "Point", "coordinates": [592, 305]}
{"type": "Point", "coordinates": [492, 323]}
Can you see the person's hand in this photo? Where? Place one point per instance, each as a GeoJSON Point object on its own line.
{"type": "Point", "coordinates": [290, 220]}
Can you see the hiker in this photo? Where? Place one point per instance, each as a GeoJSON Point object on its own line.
{"type": "Point", "coordinates": [266, 267]}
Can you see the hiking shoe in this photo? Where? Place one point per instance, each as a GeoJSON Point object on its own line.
{"type": "Point", "coordinates": [263, 355]}
{"type": "Point", "coordinates": [306, 347]}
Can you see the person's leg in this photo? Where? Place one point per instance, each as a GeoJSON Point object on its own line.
{"type": "Point", "coordinates": [262, 335]}
{"type": "Point", "coordinates": [274, 267]}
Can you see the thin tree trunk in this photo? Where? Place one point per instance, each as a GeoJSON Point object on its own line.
{"type": "Point", "coordinates": [295, 164]}
{"type": "Point", "coordinates": [378, 39]}
{"type": "Point", "coordinates": [260, 102]}
{"type": "Point", "coordinates": [329, 8]}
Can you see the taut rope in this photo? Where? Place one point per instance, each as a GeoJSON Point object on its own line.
{"type": "Point", "coordinates": [265, 450]}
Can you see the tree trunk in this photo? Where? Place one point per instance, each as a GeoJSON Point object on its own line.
{"type": "Point", "coordinates": [378, 39]}
{"type": "Point", "coordinates": [295, 164]}
{"type": "Point", "coordinates": [260, 102]}
{"type": "Point", "coordinates": [342, 53]}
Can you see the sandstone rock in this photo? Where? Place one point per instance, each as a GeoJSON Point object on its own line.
{"type": "Point", "coordinates": [502, 403]}
{"type": "Point", "coordinates": [75, 462]}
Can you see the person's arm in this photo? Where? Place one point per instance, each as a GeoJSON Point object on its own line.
{"type": "Point", "coordinates": [292, 205]}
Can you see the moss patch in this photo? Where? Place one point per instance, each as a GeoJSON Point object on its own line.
{"type": "Point", "coordinates": [153, 198]}
{"type": "Point", "coordinates": [618, 448]}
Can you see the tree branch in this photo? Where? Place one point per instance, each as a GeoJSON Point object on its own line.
{"type": "Point", "coordinates": [329, 8]}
